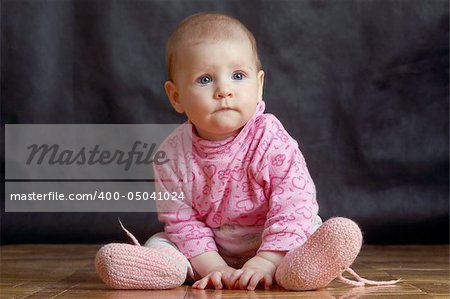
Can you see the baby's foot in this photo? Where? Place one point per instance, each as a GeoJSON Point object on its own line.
{"type": "Point", "coordinates": [323, 257]}
{"type": "Point", "coordinates": [124, 266]}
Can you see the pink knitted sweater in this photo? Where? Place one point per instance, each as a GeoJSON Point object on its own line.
{"type": "Point", "coordinates": [248, 193]}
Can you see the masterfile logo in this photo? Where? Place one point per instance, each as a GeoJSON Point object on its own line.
{"type": "Point", "coordinates": [85, 168]}
{"type": "Point", "coordinates": [84, 151]}
{"type": "Point", "coordinates": [140, 153]}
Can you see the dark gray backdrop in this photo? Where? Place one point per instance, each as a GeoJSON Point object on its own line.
{"type": "Point", "coordinates": [362, 85]}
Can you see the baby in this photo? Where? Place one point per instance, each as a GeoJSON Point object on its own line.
{"type": "Point", "coordinates": [249, 214]}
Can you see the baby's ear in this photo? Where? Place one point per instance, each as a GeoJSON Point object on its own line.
{"type": "Point", "coordinates": [260, 78]}
{"type": "Point", "coordinates": [172, 94]}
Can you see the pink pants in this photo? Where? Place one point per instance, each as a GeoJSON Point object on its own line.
{"type": "Point", "coordinates": [230, 243]}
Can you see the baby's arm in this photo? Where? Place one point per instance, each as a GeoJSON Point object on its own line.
{"type": "Point", "coordinates": [260, 268]}
{"type": "Point", "coordinates": [292, 204]}
{"type": "Point", "coordinates": [184, 227]}
{"type": "Point", "coordinates": [214, 270]}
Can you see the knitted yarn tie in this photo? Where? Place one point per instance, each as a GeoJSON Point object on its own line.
{"type": "Point", "coordinates": [125, 266]}
{"type": "Point", "coordinates": [130, 235]}
{"type": "Point", "coordinates": [360, 282]}
{"type": "Point", "coordinates": [326, 255]}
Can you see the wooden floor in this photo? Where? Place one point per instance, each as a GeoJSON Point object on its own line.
{"type": "Point", "coordinates": [67, 271]}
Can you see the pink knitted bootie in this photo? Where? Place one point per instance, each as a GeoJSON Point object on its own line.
{"type": "Point", "coordinates": [323, 257]}
{"type": "Point", "coordinates": [125, 266]}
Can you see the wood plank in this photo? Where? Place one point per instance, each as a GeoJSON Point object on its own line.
{"type": "Point", "coordinates": [67, 271]}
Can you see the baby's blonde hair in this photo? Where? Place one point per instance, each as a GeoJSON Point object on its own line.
{"type": "Point", "coordinates": [206, 26]}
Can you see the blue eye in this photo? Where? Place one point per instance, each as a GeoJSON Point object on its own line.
{"type": "Point", "coordinates": [238, 76]}
{"type": "Point", "coordinates": [204, 79]}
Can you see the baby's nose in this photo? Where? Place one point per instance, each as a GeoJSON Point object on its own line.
{"type": "Point", "coordinates": [223, 91]}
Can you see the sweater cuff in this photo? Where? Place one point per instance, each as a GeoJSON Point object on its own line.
{"type": "Point", "coordinates": [282, 242]}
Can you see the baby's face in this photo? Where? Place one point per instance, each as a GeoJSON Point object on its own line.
{"type": "Point", "coordinates": [217, 85]}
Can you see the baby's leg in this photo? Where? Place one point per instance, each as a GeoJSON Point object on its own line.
{"type": "Point", "coordinates": [157, 265]}
{"type": "Point", "coordinates": [323, 257]}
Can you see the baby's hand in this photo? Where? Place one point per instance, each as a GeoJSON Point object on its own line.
{"type": "Point", "coordinates": [256, 270]}
{"type": "Point", "coordinates": [215, 278]}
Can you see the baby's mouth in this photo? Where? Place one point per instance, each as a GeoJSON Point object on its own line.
{"type": "Point", "coordinates": [224, 108]}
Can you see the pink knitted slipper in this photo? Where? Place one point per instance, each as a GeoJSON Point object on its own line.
{"type": "Point", "coordinates": [325, 256]}
{"type": "Point", "coordinates": [125, 266]}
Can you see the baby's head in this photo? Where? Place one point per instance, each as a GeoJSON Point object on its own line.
{"type": "Point", "coordinates": [214, 74]}
{"type": "Point", "coordinates": [206, 27]}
